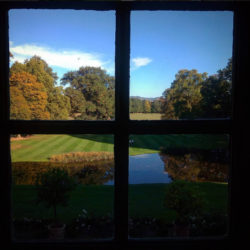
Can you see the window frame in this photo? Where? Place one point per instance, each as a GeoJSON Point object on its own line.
{"type": "Point", "coordinates": [122, 126]}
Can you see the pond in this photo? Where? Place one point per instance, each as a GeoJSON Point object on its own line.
{"type": "Point", "coordinates": [145, 168]}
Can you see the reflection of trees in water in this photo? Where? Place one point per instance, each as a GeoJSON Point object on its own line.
{"type": "Point", "coordinates": [197, 165]}
{"type": "Point", "coordinates": [24, 173]}
{"type": "Point", "coordinates": [94, 173]}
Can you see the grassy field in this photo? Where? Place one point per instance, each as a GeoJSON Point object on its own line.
{"type": "Point", "coordinates": [145, 116]}
{"type": "Point", "coordinates": [41, 147]}
{"type": "Point", "coordinates": [145, 200]}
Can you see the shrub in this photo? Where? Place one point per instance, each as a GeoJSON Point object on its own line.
{"type": "Point", "coordinates": [185, 199]}
{"type": "Point", "coordinates": [74, 157]}
{"type": "Point", "coordinates": [54, 187]}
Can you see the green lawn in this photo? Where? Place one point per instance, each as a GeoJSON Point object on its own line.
{"type": "Point", "coordinates": [145, 200]}
{"type": "Point", "coordinates": [41, 147]}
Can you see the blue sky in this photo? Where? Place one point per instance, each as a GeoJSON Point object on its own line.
{"type": "Point", "coordinates": [162, 42]}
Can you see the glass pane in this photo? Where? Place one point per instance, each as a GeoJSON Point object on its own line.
{"type": "Point", "coordinates": [62, 64]}
{"type": "Point", "coordinates": [62, 186]}
{"type": "Point", "coordinates": [178, 185]}
{"type": "Point", "coordinates": [181, 65]}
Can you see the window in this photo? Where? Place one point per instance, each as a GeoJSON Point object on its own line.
{"type": "Point", "coordinates": [177, 71]}
{"type": "Point", "coordinates": [122, 127]}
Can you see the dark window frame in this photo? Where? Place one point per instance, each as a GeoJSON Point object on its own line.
{"type": "Point", "coordinates": [122, 127]}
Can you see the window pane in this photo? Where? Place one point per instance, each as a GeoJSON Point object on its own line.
{"type": "Point", "coordinates": [62, 180]}
{"type": "Point", "coordinates": [181, 65]}
{"type": "Point", "coordinates": [178, 185]}
{"type": "Point", "coordinates": [62, 64]}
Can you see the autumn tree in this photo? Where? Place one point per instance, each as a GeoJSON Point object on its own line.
{"type": "Point", "coordinates": [58, 105]}
{"type": "Point", "coordinates": [97, 88]}
{"type": "Point", "coordinates": [146, 106]}
{"type": "Point", "coordinates": [28, 97]}
{"type": "Point", "coordinates": [19, 108]}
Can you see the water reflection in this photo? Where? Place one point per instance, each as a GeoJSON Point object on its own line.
{"type": "Point", "coordinates": [147, 168]}
{"type": "Point", "coordinates": [172, 164]}
{"type": "Point", "coordinates": [98, 173]}
{"type": "Point", "coordinates": [196, 165]}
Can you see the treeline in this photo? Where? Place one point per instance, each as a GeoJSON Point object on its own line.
{"type": "Point", "coordinates": [89, 94]}
{"type": "Point", "coordinates": [197, 95]}
{"type": "Point", "coordinates": [137, 105]}
{"type": "Point", "coordinates": [35, 95]}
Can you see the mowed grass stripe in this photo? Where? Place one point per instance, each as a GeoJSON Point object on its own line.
{"type": "Point", "coordinates": [26, 146]}
{"type": "Point", "coordinates": [74, 144]}
{"type": "Point", "coordinates": [80, 144]}
{"type": "Point", "coordinates": [43, 153]}
{"type": "Point", "coordinates": [99, 146]}
{"type": "Point", "coordinates": [104, 145]}
{"type": "Point", "coordinates": [110, 148]}
{"type": "Point", "coordinates": [57, 147]}
{"type": "Point", "coordinates": [89, 146]}
{"type": "Point", "coordinates": [35, 145]}
{"type": "Point", "coordinates": [30, 141]}
{"type": "Point", "coordinates": [40, 147]}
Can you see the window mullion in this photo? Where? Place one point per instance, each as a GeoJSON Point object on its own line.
{"type": "Point", "coordinates": [5, 170]}
{"type": "Point", "coordinates": [240, 130]}
{"type": "Point", "coordinates": [122, 119]}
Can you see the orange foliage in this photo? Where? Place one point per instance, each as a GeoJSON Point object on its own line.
{"type": "Point", "coordinates": [28, 97]}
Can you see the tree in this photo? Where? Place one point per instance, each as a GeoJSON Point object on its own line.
{"type": "Point", "coordinates": [97, 87]}
{"type": "Point", "coordinates": [19, 108]}
{"type": "Point", "coordinates": [136, 105]}
{"type": "Point", "coordinates": [17, 67]}
{"type": "Point", "coordinates": [59, 107]}
{"type": "Point", "coordinates": [28, 97]}
{"type": "Point", "coordinates": [217, 94]}
{"type": "Point", "coordinates": [38, 67]}
{"type": "Point", "coordinates": [147, 106]}
{"type": "Point", "coordinates": [54, 187]}
{"type": "Point", "coordinates": [77, 101]}
{"type": "Point", "coordinates": [182, 99]}
{"type": "Point", "coordinates": [168, 105]}
{"type": "Point", "coordinates": [156, 106]}
{"type": "Point", "coordinates": [185, 199]}
{"type": "Point", "coordinates": [58, 104]}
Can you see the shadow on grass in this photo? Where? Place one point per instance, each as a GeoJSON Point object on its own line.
{"type": "Point", "coordinates": [156, 142]}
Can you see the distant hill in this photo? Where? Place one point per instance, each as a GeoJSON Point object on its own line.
{"type": "Point", "coordinates": [151, 99]}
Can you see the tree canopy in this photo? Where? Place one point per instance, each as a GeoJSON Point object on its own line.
{"type": "Point", "coordinates": [197, 95]}
{"type": "Point", "coordinates": [217, 94]}
{"type": "Point", "coordinates": [89, 93]}
{"type": "Point", "coordinates": [28, 97]}
{"type": "Point", "coordinates": [58, 105]}
{"type": "Point", "coordinates": [94, 90]}
{"type": "Point", "coordinates": [183, 97]}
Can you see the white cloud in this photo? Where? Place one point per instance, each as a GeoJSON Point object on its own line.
{"type": "Point", "coordinates": [141, 61]}
{"type": "Point", "coordinates": [68, 59]}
